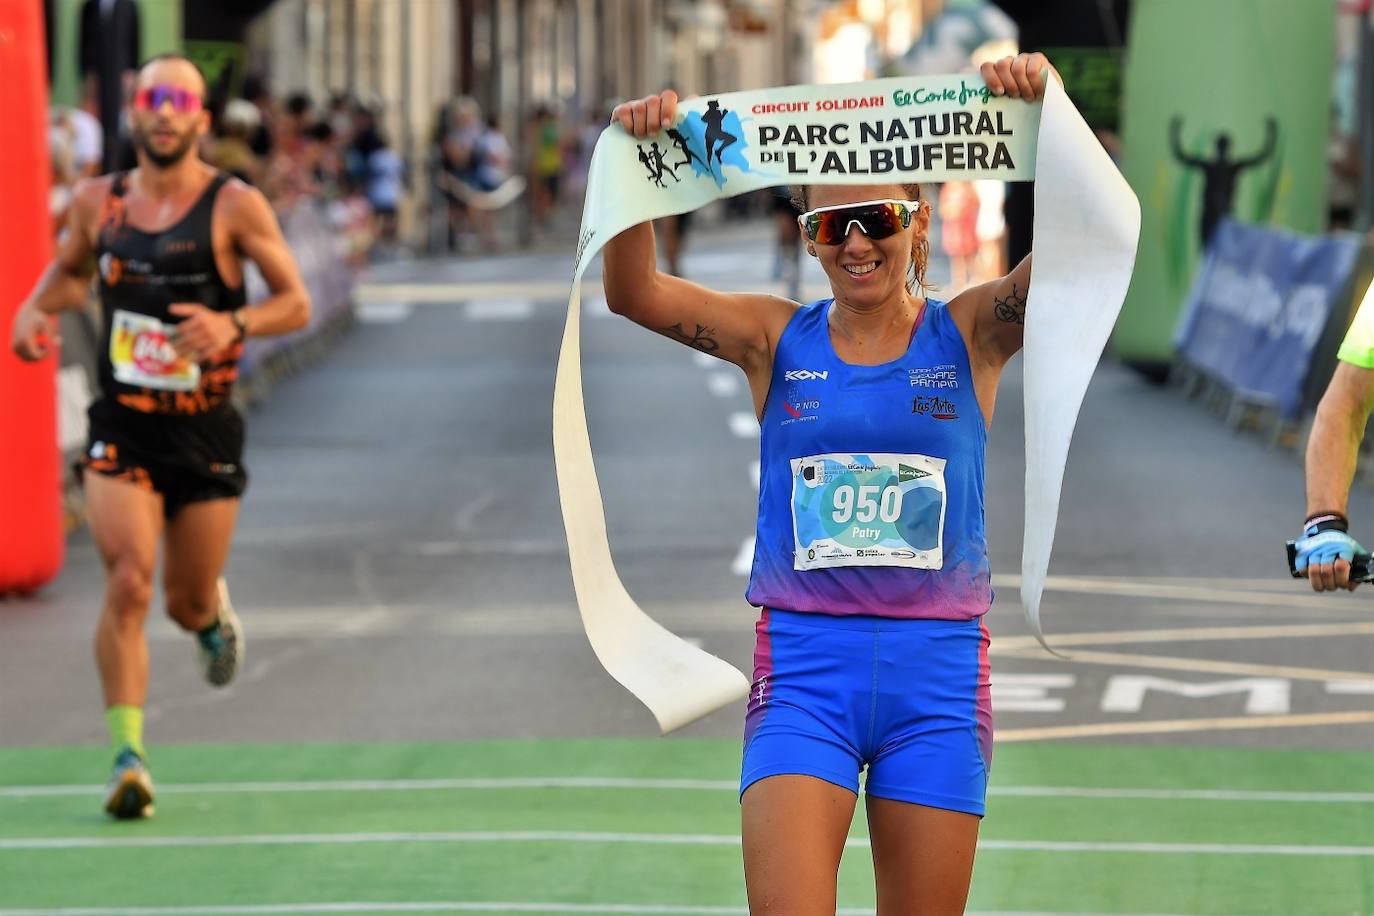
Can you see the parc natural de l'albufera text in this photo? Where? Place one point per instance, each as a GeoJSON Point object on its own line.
{"type": "Point", "coordinates": [908, 143]}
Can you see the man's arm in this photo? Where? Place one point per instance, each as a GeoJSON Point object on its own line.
{"type": "Point", "coordinates": [1335, 441]}
{"type": "Point", "coordinates": [1326, 549]}
{"type": "Point", "coordinates": [255, 234]}
{"type": "Point", "coordinates": [66, 283]}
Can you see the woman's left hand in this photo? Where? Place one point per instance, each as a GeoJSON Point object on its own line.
{"type": "Point", "coordinates": [1021, 77]}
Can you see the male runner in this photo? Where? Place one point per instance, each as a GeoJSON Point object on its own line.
{"type": "Point", "coordinates": [169, 240]}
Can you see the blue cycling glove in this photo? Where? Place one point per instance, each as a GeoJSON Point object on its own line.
{"type": "Point", "coordinates": [1324, 540]}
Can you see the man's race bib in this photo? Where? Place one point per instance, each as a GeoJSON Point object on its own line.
{"type": "Point", "coordinates": [868, 509]}
{"type": "Point", "coordinates": [141, 353]}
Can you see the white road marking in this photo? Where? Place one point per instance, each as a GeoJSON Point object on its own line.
{"type": "Point", "coordinates": [394, 785]}
{"type": "Point", "coordinates": [744, 425]}
{"type": "Point", "coordinates": [648, 839]}
{"type": "Point", "coordinates": [1027, 692]}
{"type": "Point", "coordinates": [1351, 688]}
{"type": "Point", "coordinates": [1179, 726]}
{"type": "Point", "coordinates": [722, 384]}
{"type": "Point", "coordinates": [527, 548]}
{"type": "Point", "coordinates": [442, 294]}
{"type": "Point", "coordinates": [1194, 665]}
{"type": "Point", "coordinates": [594, 306]}
{"type": "Point", "coordinates": [1172, 849]}
{"type": "Point", "coordinates": [1264, 696]}
{"type": "Point", "coordinates": [448, 906]}
{"type": "Point", "coordinates": [1193, 634]}
{"type": "Point", "coordinates": [1189, 795]}
{"type": "Point", "coordinates": [598, 783]}
{"type": "Point", "coordinates": [744, 560]}
{"type": "Point", "coordinates": [385, 312]}
{"type": "Point", "coordinates": [364, 530]}
{"type": "Point", "coordinates": [498, 309]}
{"type": "Point", "coordinates": [555, 292]}
{"type": "Point", "coordinates": [1145, 588]}
{"type": "Point", "coordinates": [465, 519]}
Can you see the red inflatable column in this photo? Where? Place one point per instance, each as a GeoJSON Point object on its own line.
{"type": "Point", "coordinates": [30, 475]}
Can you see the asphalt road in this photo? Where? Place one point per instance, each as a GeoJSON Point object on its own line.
{"type": "Point", "coordinates": [401, 570]}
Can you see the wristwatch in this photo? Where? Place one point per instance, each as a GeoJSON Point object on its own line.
{"type": "Point", "coordinates": [237, 317]}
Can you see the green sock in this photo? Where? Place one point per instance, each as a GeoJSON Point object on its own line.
{"type": "Point", "coordinates": [126, 728]}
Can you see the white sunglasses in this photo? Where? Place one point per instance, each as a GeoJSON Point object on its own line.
{"type": "Point", "coordinates": [876, 219]}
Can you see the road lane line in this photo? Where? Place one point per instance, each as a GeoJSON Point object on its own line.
{"type": "Point", "coordinates": [744, 425]}
{"type": "Point", "coordinates": [595, 306]}
{"type": "Point", "coordinates": [1195, 665]}
{"type": "Point", "coordinates": [498, 309]}
{"type": "Point", "coordinates": [386, 312]}
{"type": "Point", "coordinates": [598, 783]}
{"type": "Point", "coordinates": [1194, 634]}
{"type": "Point", "coordinates": [1174, 726]}
{"type": "Point", "coordinates": [449, 906]}
{"type": "Point", "coordinates": [722, 384]}
{"type": "Point", "coordinates": [1136, 588]}
{"type": "Point", "coordinates": [554, 292]}
{"type": "Point", "coordinates": [34, 844]}
{"type": "Point", "coordinates": [1351, 688]}
{"type": "Point", "coordinates": [1014, 692]}
{"type": "Point", "coordinates": [744, 560]}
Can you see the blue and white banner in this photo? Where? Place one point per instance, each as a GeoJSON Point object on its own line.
{"type": "Point", "coordinates": [1259, 307]}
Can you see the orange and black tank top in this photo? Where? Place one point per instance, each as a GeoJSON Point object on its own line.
{"type": "Point", "coordinates": [141, 275]}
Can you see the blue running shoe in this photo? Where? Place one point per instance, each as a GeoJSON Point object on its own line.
{"type": "Point", "coordinates": [220, 647]}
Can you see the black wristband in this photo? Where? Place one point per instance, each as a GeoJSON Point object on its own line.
{"type": "Point", "coordinates": [1325, 521]}
{"type": "Point", "coordinates": [236, 316]}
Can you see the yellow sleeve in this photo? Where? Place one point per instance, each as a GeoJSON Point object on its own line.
{"type": "Point", "coordinates": [1358, 346]}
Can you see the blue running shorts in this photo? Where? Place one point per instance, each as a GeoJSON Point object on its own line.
{"type": "Point", "coordinates": [909, 699]}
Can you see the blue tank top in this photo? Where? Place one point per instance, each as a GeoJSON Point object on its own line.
{"type": "Point", "coordinates": [871, 478]}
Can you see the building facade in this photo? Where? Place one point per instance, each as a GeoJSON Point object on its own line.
{"type": "Point", "coordinates": [406, 58]}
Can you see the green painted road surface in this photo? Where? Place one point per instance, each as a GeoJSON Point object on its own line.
{"type": "Point", "coordinates": [652, 826]}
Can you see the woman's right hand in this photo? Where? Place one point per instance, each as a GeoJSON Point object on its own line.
{"type": "Point", "coordinates": [649, 115]}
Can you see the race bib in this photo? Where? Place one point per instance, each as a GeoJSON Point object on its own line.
{"type": "Point", "coordinates": [141, 353]}
{"type": "Point", "coordinates": [868, 509]}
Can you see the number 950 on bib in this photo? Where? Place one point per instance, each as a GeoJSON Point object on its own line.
{"type": "Point", "coordinates": [868, 509]}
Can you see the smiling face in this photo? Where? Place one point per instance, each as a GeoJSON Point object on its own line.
{"type": "Point", "coordinates": [161, 132]}
{"type": "Point", "coordinates": [865, 272]}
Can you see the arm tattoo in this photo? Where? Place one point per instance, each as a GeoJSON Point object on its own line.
{"type": "Point", "coordinates": [1012, 309]}
{"type": "Point", "coordinates": [702, 339]}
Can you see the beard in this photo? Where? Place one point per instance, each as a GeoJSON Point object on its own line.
{"type": "Point", "coordinates": [168, 159]}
